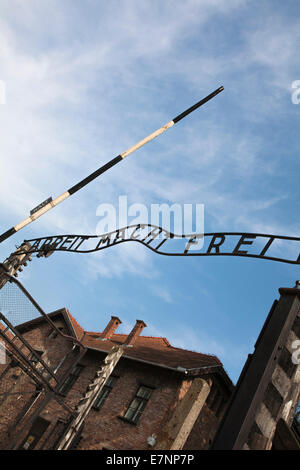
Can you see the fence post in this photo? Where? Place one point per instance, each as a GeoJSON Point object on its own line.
{"type": "Point", "coordinates": [14, 263]}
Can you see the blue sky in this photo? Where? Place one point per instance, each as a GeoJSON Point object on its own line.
{"type": "Point", "coordinates": [85, 80]}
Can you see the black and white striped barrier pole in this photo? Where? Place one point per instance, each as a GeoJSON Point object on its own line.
{"type": "Point", "coordinates": [49, 203]}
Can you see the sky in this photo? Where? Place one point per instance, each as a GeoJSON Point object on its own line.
{"type": "Point", "coordinates": [84, 81]}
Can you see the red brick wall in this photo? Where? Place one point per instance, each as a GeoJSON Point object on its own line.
{"type": "Point", "coordinates": [12, 400]}
{"type": "Point", "coordinates": [18, 387]}
{"type": "Point", "coordinates": [207, 423]}
{"type": "Point", "coordinates": [203, 431]}
{"type": "Point", "coordinates": [105, 428]}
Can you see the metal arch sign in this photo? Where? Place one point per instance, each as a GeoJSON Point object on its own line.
{"type": "Point", "coordinates": [252, 245]}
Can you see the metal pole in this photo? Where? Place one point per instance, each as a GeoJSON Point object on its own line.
{"type": "Point", "coordinates": [15, 263]}
{"type": "Point", "coordinates": [49, 204]}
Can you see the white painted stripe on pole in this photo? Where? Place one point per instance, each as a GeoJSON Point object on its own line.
{"type": "Point", "coordinates": [42, 211]}
{"type": "Point", "coordinates": [65, 195]}
{"type": "Point", "coordinates": [147, 139]}
{"type": "Point", "coordinates": [101, 170]}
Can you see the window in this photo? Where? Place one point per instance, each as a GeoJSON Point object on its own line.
{"type": "Point", "coordinates": [107, 388]}
{"type": "Point", "coordinates": [34, 358]}
{"type": "Point", "coordinates": [296, 422]}
{"type": "Point", "coordinates": [71, 379]}
{"type": "Point", "coordinates": [297, 414]}
{"type": "Point", "coordinates": [138, 404]}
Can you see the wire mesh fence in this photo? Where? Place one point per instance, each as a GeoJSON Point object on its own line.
{"type": "Point", "coordinates": [16, 306]}
{"type": "Point", "coordinates": [36, 357]}
{"type": "Point", "coordinates": [27, 332]}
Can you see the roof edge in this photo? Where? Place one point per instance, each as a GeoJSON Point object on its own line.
{"type": "Point", "coordinates": [189, 373]}
{"type": "Point", "coordinates": [289, 291]}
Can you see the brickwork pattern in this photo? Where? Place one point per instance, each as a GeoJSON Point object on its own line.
{"type": "Point", "coordinates": [281, 396]}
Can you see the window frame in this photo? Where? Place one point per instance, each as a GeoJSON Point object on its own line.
{"type": "Point", "coordinates": [142, 403]}
{"type": "Point", "coordinates": [70, 380]}
{"type": "Point", "coordinates": [35, 433]}
{"type": "Point", "coordinates": [106, 388]}
{"type": "Point", "coordinates": [36, 356]}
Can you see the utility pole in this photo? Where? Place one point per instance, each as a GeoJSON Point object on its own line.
{"type": "Point", "coordinates": [50, 204]}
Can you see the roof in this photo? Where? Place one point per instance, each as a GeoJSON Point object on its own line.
{"type": "Point", "coordinates": [154, 349]}
{"type": "Point", "coordinates": [151, 349]}
{"type": "Point", "coordinates": [78, 330]}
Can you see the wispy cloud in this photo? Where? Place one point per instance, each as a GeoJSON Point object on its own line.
{"type": "Point", "coordinates": [66, 107]}
{"type": "Point", "coordinates": [86, 80]}
{"type": "Point", "coordinates": [162, 292]}
{"type": "Point", "coordinates": [126, 258]}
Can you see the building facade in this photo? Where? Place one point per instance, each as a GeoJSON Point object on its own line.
{"type": "Point", "coordinates": [156, 397]}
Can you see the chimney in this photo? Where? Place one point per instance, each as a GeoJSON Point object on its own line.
{"type": "Point", "coordinates": [135, 332]}
{"type": "Point", "coordinates": [110, 328]}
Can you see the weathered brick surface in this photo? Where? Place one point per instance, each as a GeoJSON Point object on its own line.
{"type": "Point", "coordinates": [281, 396]}
{"type": "Point", "coordinates": [208, 420]}
{"type": "Point", "coordinates": [17, 388]}
{"type": "Point", "coordinates": [203, 431]}
{"type": "Point", "coordinates": [12, 400]}
{"type": "Point", "coordinates": [105, 427]}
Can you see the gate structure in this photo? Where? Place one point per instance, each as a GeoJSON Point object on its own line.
{"type": "Point", "coordinates": [29, 377]}
{"type": "Point", "coordinates": [32, 378]}
{"type": "Point", "coordinates": [261, 413]}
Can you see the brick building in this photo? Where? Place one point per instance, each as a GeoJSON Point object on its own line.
{"type": "Point", "coordinates": [157, 396]}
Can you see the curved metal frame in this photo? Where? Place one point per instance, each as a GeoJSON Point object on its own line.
{"type": "Point", "coordinates": [58, 242]}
